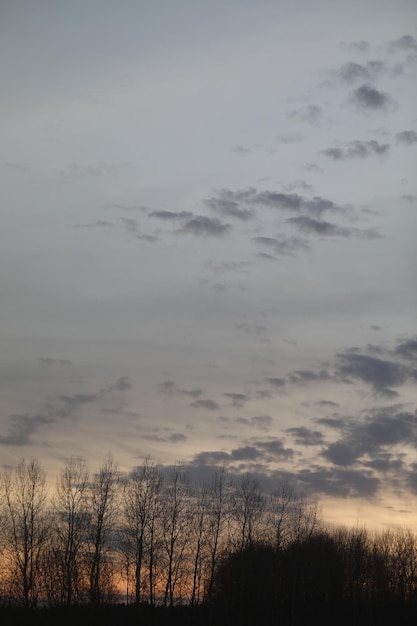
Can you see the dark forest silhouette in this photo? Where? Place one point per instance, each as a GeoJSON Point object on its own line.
{"type": "Point", "coordinates": [152, 548]}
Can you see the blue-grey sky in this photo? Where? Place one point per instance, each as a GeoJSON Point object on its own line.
{"type": "Point", "coordinates": [209, 217]}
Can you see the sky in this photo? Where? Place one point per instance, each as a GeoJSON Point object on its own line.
{"type": "Point", "coordinates": [208, 244]}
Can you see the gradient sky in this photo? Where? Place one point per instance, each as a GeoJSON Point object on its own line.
{"type": "Point", "coordinates": [208, 243]}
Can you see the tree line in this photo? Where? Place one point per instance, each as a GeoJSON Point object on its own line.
{"type": "Point", "coordinates": [153, 538]}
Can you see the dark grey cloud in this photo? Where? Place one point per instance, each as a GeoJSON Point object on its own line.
{"type": "Point", "coordinates": [282, 245]}
{"type": "Point", "coordinates": [263, 394]}
{"type": "Point", "coordinates": [407, 43]}
{"type": "Point", "coordinates": [259, 451]}
{"type": "Point", "coordinates": [131, 225]}
{"type": "Point", "coordinates": [335, 422]}
{"type": "Point", "coordinates": [263, 422]}
{"type": "Point", "coordinates": [245, 453]}
{"type": "Point", "coordinates": [274, 448]}
{"type": "Point", "coordinates": [305, 436]}
{"type": "Point", "coordinates": [341, 453]}
{"type": "Point", "coordinates": [161, 438]}
{"type": "Point", "coordinates": [226, 204]}
{"type": "Point", "coordinates": [276, 382]}
{"type": "Point", "coordinates": [203, 226]}
{"type": "Point", "coordinates": [45, 360]}
{"type": "Point", "coordinates": [191, 393]}
{"type": "Point", "coordinates": [357, 150]}
{"type": "Point", "coordinates": [380, 374]}
{"type": "Point", "coordinates": [122, 384]}
{"type": "Point", "coordinates": [22, 427]}
{"type": "Point", "coordinates": [212, 458]}
{"type": "Point", "coordinates": [77, 400]}
{"type": "Point", "coordinates": [368, 97]}
{"type": "Point", "coordinates": [301, 377]}
{"type": "Point", "coordinates": [407, 349]}
{"type": "Point", "coordinates": [237, 399]}
{"type": "Point", "coordinates": [170, 387]}
{"type": "Point", "coordinates": [367, 440]}
{"type": "Point", "coordinates": [327, 403]}
{"type": "Point", "coordinates": [311, 226]}
{"type": "Point", "coordinates": [311, 114]}
{"type": "Point", "coordinates": [386, 462]}
{"type": "Point", "coordinates": [340, 482]}
{"type": "Point", "coordinates": [292, 202]}
{"type": "Point", "coordinates": [171, 215]}
{"type": "Point", "coordinates": [167, 386]}
{"type": "Point", "coordinates": [205, 404]}
{"type": "Point", "coordinates": [351, 72]}
{"type": "Point", "coordinates": [407, 137]}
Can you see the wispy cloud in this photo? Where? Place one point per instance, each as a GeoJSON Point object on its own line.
{"type": "Point", "coordinates": [357, 150]}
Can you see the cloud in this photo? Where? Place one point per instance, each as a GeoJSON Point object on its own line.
{"type": "Point", "coordinates": [250, 329]}
{"type": "Point", "coordinates": [368, 97]}
{"type": "Point", "coordinates": [191, 393]}
{"type": "Point", "coordinates": [79, 399]}
{"type": "Point", "coordinates": [306, 437]}
{"type": "Point", "coordinates": [327, 403]}
{"type": "Point", "coordinates": [311, 114]}
{"type": "Point", "coordinates": [132, 227]}
{"type": "Point", "coordinates": [407, 349]}
{"type": "Point", "coordinates": [170, 387]}
{"type": "Point", "coordinates": [171, 215]}
{"type": "Point", "coordinates": [274, 448]}
{"type": "Point", "coordinates": [282, 245]}
{"type": "Point", "coordinates": [96, 224]}
{"type": "Point", "coordinates": [202, 226]}
{"type": "Point", "coordinates": [289, 138]}
{"type": "Point", "coordinates": [301, 377]}
{"type": "Point", "coordinates": [50, 361]}
{"type": "Point", "coordinates": [170, 438]}
{"type": "Point", "coordinates": [276, 382]}
{"type": "Point", "coordinates": [94, 170]}
{"type": "Point", "coordinates": [312, 167]}
{"type": "Point", "coordinates": [317, 227]}
{"type": "Point", "coordinates": [407, 137]}
{"type": "Point", "coordinates": [380, 374]}
{"type": "Point", "coordinates": [205, 404]}
{"type": "Point", "coordinates": [356, 46]}
{"type": "Point", "coordinates": [406, 43]}
{"type": "Point", "coordinates": [299, 184]}
{"type": "Point", "coordinates": [22, 427]}
{"type": "Point", "coordinates": [167, 386]}
{"type": "Point", "coordinates": [226, 204]}
{"type": "Point", "coordinates": [278, 200]}
{"type": "Point", "coordinates": [263, 422]}
{"type": "Point", "coordinates": [357, 150]}
{"type": "Point", "coordinates": [340, 453]}
{"type": "Point", "coordinates": [311, 226]}
{"type": "Point", "coordinates": [368, 439]}
{"type": "Point", "coordinates": [340, 482]}
{"type": "Point", "coordinates": [122, 384]}
{"type": "Point", "coordinates": [408, 197]}
{"type": "Point", "coordinates": [351, 72]}
{"type": "Point", "coordinates": [237, 399]}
